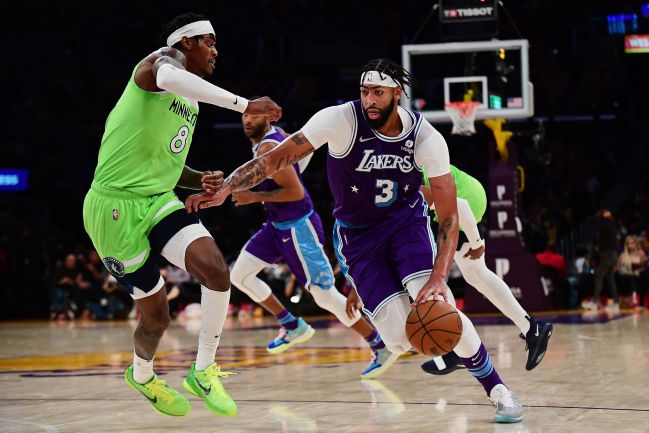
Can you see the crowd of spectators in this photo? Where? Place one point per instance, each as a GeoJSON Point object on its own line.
{"type": "Point", "coordinates": [53, 128]}
{"type": "Point", "coordinates": [607, 266]}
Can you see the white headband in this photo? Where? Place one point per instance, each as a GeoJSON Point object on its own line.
{"type": "Point", "coordinates": [192, 29]}
{"type": "Point", "coordinates": [376, 78]}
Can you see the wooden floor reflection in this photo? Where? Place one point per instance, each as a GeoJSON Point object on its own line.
{"type": "Point", "coordinates": [67, 377]}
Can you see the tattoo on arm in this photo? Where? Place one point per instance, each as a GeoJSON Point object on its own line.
{"type": "Point", "coordinates": [286, 161]}
{"type": "Point", "coordinates": [446, 236]}
{"type": "Point", "coordinates": [298, 138]}
{"type": "Point", "coordinates": [255, 171]}
{"type": "Point", "coordinates": [444, 227]}
{"type": "Point", "coordinates": [249, 174]}
{"type": "Point", "coordinates": [289, 160]}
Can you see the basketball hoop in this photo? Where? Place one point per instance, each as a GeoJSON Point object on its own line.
{"type": "Point", "coordinates": [463, 117]}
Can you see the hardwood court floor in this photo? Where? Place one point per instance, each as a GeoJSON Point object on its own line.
{"type": "Point", "coordinates": [67, 377]}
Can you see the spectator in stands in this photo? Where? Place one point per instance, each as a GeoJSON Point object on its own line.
{"type": "Point", "coordinates": [644, 276]}
{"type": "Point", "coordinates": [580, 274]}
{"type": "Point", "coordinates": [95, 271]}
{"type": "Point", "coordinates": [606, 248]}
{"type": "Point", "coordinates": [553, 273]}
{"type": "Point", "coordinates": [85, 290]}
{"type": "Point", "coordinates": [64, 284]}
{"type": "Point", "coordinates": [110, 302]}
{"type": "Point", "coordinates": [553, 260]}
{"type": "Point", "coordinates": [643, 241]}
{"type": "Point", "coordinates": [631, 264]}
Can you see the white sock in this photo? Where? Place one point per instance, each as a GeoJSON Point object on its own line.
{"type": "Point", "coordinates": [476, 273]}
{"type": "Point", "coordinates": [142, 369]}
{"type": "Point", "coordinates": [214, 306]}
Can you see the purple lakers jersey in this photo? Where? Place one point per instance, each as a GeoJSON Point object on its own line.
{"type": "Point", "coordinates": [289, 210]}
{"type": "Point", "coordinates": [376, 178]}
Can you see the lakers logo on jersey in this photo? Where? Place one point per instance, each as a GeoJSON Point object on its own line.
{"type": "Point", "coordinates": [371, 161]}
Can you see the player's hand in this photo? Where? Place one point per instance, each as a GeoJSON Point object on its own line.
{"type": "Point", "coordinates": [244, 197]}
{"type": "Point", "coordinates": [264, 106]}
{"type": "Point", "coordinates": [435, 286]}
{"type": "Point", "coordinates": [475, 254]}
{"type": "Point", "coordinates": [212, 181]}
{"type": "Point", "coordinates": [203, 200]}
{"type": "Point", "coordinates": [353, 304]}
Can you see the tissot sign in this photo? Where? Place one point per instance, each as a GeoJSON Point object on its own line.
{"type": "Point", "coordinates": [467, 10]}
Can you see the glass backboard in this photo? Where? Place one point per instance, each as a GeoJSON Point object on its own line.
{"type": "Point", "coordinates": [493, 73]}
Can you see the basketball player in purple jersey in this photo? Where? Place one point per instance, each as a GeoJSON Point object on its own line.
{"type": "Point", "coordinates": [293, 234]}
{"type": "Point", "coordinates": [377, 151]}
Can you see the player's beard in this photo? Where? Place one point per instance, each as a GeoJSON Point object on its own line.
{"type": "Point", "coordinates": [385, 114]}
{"type": "Point", "coordinates": [256, 133]}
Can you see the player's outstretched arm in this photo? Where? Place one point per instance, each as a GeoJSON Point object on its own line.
{"type": "Point", "coordinates": [289, 186]}
{"type": "Point", "coordinates": [444, 196]}
{"type": "Point", "coordinates": [290, 151]}
{"type": "Point", "coordinates": [165, 70]}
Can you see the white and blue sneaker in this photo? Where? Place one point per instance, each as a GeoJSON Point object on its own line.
{"type": "Point", "coordinates": [288, 338]}
{"type": "Point", "coordinates": [382, 360]}
{"type": "Point", "coordinates": [508, 409]}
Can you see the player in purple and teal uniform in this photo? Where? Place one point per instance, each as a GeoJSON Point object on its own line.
{"type": "Point", "coordinates": [293, 234]}
{"type": "Point", "coordinates": [377, 152]}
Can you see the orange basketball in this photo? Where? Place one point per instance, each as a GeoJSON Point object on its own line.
{"type": "Point", "coordinates": [434, 328]}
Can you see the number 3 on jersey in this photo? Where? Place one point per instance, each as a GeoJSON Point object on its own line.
{"type": "Point", "coordinates": [180, 140]}
{"type": "Point", "coordinates": [388, 192]}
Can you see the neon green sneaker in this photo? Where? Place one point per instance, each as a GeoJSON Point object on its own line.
{"type": "Point", "coordinates": [205, 384]}
{"type": "Point", "coordinates": [162, 398]}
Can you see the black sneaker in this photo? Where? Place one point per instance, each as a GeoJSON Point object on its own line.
{"type": "Point", "coordinates": [451, 360]}
{"type": "Point", "coordinates": [536, 340]}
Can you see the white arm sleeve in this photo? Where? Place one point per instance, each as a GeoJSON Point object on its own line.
{"type": "Point", "coordinates": [191, 86]}
{"type": "Point", "coordinates": [431, 151]}
{"type": "Point", "coordinates": [468, 223]}
{"type": "Point", "coordinates": [332, 125]}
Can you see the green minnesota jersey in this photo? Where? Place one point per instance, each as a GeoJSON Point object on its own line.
{"type": "Point", "coordinates": [470, 189]}
{"type": "Point", "coordinates": [145, 142]}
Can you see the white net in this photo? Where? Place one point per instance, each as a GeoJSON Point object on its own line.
{"type": "Point", "coordinates": [463, 117]}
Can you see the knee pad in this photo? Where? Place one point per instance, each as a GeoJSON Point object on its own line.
{"type": "Point", "coordinates": [174, 249]}
{"type": "Point", "coordinates": [244, 277]}
{"type": "Point", "coordinates": [334, 302]}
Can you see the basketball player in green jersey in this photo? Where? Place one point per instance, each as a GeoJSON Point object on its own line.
{"type": "Point", "coordinates": [133, 216]}
{"type": "Point", "coordinates": [471, 205]}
